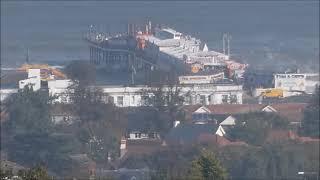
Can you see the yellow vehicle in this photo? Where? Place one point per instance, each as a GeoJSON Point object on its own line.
{"type": "Point", "coordinates": [278, 93]}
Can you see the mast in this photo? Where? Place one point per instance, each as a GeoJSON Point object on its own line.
{"type": "Point", "coordinates": [27, 56]}
{"type": "Point", "coordinates": [228, 39]}
{"type": "Point", "coordinates": [224, 36]}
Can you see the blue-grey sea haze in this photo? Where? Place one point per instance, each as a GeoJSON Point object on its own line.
{"type": "Point", "coordinates": [265, 33]}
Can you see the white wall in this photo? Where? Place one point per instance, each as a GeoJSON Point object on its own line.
{"type": "Point", "coordinates": [132, 136]}
{"type": "Point", "coordinates": [34, 80]}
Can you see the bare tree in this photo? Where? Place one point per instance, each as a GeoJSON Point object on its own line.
{"type": "Point", "coordinates": [164, 97]}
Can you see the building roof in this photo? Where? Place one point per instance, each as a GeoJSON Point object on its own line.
{"type": "Point", "coordinates": [141, 120]}
{"type": "Point", "coordinates": [229, 121]}
{"type": "Point", "coordinates": [292, 111]}
{"type": "Point", "coordinates": [285, 135]}
{"type": "Point", "coordinates": [145, 146]}
{"type": "Point", "coordinates": [218, 140]}
{"type": "Point", "coordinates": [188, 133]}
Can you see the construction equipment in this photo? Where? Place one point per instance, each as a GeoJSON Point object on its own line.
{"type": "Point", "coordinates": [196, 67]}
{"type": "Point", "coordinates": [46, 71]}
{"type": "Point", "coordinates": [272, 93]}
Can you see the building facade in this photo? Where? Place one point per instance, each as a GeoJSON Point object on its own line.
{"type": "Point", "coordinates": [126, 96]}
{"type": "Point", "coordinates": [306, 83]}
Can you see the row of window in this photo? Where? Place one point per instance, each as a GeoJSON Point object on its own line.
{"type": "Point", "coordinates": [200, 99]}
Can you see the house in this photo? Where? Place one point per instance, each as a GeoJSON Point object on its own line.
{"type": "Point", "coordinates": [203, 115]}
{"type": "Point", "coordinates": [221, 112]}
{"type": "Point", "coordinates": [187, 133]}
{"type": "Point", "coordinates": [140, 125]}
{"type": "Point", "coordinates": [137, 135]}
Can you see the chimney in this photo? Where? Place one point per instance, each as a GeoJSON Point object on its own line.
{"type": "Point", "coordinates": [176, 123]}
{"type": "Point", "coordinates": [123, 147]}
{"type": "Point", "coordinates": [260, 99]}
{"type": "Point", "coordinates": [291, 135]}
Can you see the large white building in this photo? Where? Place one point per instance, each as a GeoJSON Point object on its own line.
{"type": "Point", "coordinates": [193, 94]}
{"type": "Point", "coordinates": [214, 93]}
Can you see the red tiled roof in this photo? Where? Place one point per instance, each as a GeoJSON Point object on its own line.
{"type": "Point", "coordinates": [234, 108]}
{"type": "Point", "coordinates": [292, 111]}
{"type": "Point", "coordinates": [143, 146]}
{"type": "Point", "coordinates": [218, 140]}
{"type": "Point", "coordinates": [281, 135]}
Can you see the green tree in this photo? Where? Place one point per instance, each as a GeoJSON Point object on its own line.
{"type": "Point", "coordinates": [207, 167]}
{"type": "Point", "coordinates": [5, 173]}
{"type": "Point", "coordinates": [311, 121]}
{"type": "Point", "coordinates": [32, 136]}
{"type": "Point", "coordinates": [29, 112]}
{"type": "Point", "coordinates": [36, 173]}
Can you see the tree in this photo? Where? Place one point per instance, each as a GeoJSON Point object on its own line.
{"type": "Point", "coordinates": [207, 167]}
{"type": "Point", "coordinates": [311, 121]}
{"type": "Point", "coordinates": [5, 173]}
{"type": "Point", "coordinates": [82, 72]}
{"type": "Point", "coordinates": [100, 125]}
{"type": "Point", "coordinates": [31, 133]}
{"type": "Point", "coordinates": [36, 173]}
{"type": "Point", "coordinates": [164, 97]}
{"type": "Point", "coordinates": [28, 112]}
